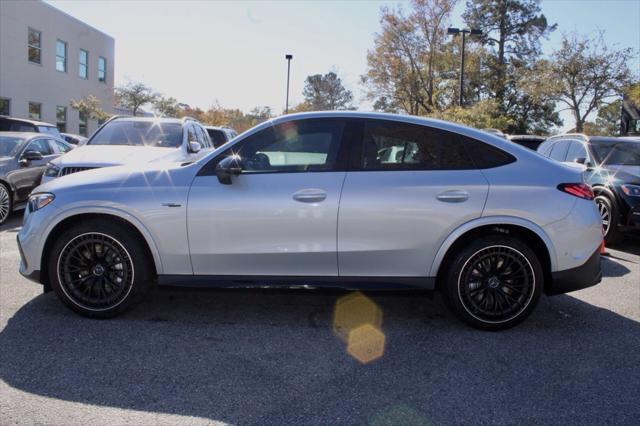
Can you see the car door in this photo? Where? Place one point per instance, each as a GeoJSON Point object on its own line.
{"type": "Point", "coordinates": [27, 177]}
{"type": "Point", "coordinates": [278, 217]}
{"type": "Point", "coordinates": [407, 188]}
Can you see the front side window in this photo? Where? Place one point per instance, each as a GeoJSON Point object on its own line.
{"type": "Point", "coordinates": [40, 145]}
{"type": "Point", "coordinates": [217, 136]}
{"type": "Point", "coordinates": [142, 133]}
{"type": "Point", "coordinates": [61, 56]}
{"type": "Point", "coordinates": [5, 106]}
{"type": "Point", "coordinates": [389, 145]}
{"type": "Point", "coordinates": [294, 146]}
{"type": "Point", "coordinates": [83, 63]}
{"type": "Point", "coordinates": [576, 150]}
{"type": "Point", "coordinates": [35, 110]}
{"type": "Point", "coordinates": [61, 118]}
{"type": "Point", "coordinates": [102, 69]}
{"type": "Point", "coordinates": [34, 46]}
{"type": "Point", "coordinates": [559, 151]}
{"type": "Point", "coordinates": [82, 126]}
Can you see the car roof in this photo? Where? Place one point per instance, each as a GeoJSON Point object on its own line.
{"type": "Point", "coordinates": [24, 120]}
{"type": "Point", "coordinates": [150, 119]}
{"type": "Point", "coordinates": [27, 135]}
{"type": "Point", "coordinates": [527, 137]}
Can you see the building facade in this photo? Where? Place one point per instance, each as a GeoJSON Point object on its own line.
{"type": "Point", "coordinates": [48, 59]}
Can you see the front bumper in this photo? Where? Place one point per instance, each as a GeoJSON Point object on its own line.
{"type": "Point", "coordinates": [25, 271]}
{"type": "Point", "coordinates": [586, 275]}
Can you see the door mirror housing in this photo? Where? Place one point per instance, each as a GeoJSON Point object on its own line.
{"type": "Point", "coordinates": [31, 155]}
{"type": "Point", "coordinates": [581, 160]}
{"type": "Point", "coordinates": [194, 147]}
{"type": "Point", "coordinates": [229, 166]}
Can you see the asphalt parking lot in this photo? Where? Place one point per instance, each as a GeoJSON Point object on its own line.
{"type": "Point", "coordinates": [272, 357]}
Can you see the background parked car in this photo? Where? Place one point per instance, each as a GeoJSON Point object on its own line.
{"type": "Point", "coordinates": [529, 141]}
{"type": "Point", "coordinates": [612, 167]}
{"type": "Point", "coordinates": [74, 139]}
{"type": "Point", "coordinates": [11, 124]}
{"type": "Point", "coordinates": [23, 157]}
{"type": "Point", "coordinates": [495, 132]}
{"type": "Point", "coordinates": [220, 135]}
{"type": "Point", "coordinates": [134, 140]}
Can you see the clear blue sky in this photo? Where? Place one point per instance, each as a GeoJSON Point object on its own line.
{"type": "Point", "coordinates": [233, 52]}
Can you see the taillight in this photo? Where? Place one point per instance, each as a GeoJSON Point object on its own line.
{"type": "Point", "coordinates": [580, 190]}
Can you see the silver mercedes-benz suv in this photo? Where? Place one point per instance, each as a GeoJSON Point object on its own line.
{"type": "Point", "coordinates": [347, 199]}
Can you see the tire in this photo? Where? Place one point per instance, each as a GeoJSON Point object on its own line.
{"type": "Point", "coordinates": [610, 219]}
{"type": "Point", "coordinates": [494, 282]}
{"type": "Point", "coordinates": [100, 269]}
{"type": "Point", "coordinates": [6, 203]}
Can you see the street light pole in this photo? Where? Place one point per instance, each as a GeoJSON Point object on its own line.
{"type": "Point", "coordinates": [288, 57]}
{"type": "Point", "coordinates": [454, 32]}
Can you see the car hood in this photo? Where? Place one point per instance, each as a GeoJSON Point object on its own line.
{"type": "Point", "coordinates": [102, 155]}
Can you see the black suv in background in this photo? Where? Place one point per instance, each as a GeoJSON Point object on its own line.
{"type": "Point", "coordinates": [612, 168]}
{"type": "Point", "coordinates": [12, 124]}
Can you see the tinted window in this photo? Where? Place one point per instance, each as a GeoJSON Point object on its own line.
{"type": "Point", "coordinates": [304, 145]}
{"type": "Point", "coordinates": [40, 145]}
{"type": "Point", "coordinates": [149, 133]}
{"type": "Point", "coordinates": [389, 145]}
{"type": "Point", "coordinates": [49, 130]}
{"type": "Point", "coordinates": [217, 136]}
{"type": "Point", "coordinates": [625, 153]}
{"type": "Point", "coordinates": [486, 156]}
{"type": "Point", "coordinates": [9, 146]}
{"type": "Point", "coordinates": [559, 150]}
{"type": "Point", "coordinates": [576, 150]}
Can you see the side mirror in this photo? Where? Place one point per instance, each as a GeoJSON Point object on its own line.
{"type": "Point", "coordinates": [29, 156]}
{"type": "Point", "coordinates": [228, 167]}
{"type": "Point", "coordinates": [580, 160]}
{"type": "Point", "coordinates": [194, 147]}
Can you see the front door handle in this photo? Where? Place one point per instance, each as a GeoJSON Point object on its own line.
{"type": "Point", "coordinates": [310, 195]}
{"type": "Point", "coordinates": [453, 196]}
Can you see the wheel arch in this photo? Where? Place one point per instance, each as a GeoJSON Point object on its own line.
{"type": "Point", "coordinates": [608, 192]}
{"type": "Point", "coordinates": [64, 223]}
{"type": "Point", "coordinates": [527, 231]}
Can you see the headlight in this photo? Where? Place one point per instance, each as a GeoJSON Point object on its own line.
{"type": "Point", "coordinates": [52, 170]}
{"type": "Point", "coordinates": [631, 190]}
{"type": "Point", "coordinates": [38, 201]}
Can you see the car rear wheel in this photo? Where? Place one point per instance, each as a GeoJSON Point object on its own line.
{"type": "Point", "coordinates": [610, 219]}
{"type": "Point", "coordinates": [6, 205]}
{"type": "Point", "coordinates": [494, 282]}
{"type": "Point", "coordinates": [99, 269]}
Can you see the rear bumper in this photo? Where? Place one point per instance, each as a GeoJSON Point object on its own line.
{"type": "Point", "coordinates": [586, 275]}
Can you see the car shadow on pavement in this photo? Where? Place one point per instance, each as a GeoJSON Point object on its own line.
{"type": "Point", "coordinates": [272, 357]}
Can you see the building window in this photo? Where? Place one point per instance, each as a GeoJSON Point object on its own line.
{"type": "Point", "coordinates": [102, 70]}
{"type": "Point", "coordinates": [61, 56]}
{"type": "Point", "coordinates": [5, 106]}
{"type": "Point", "coordinates": [34, 46]}
{"type": "Point", "coordinates": [83, 63]}
{"type": "Point", "coordinates": [61, 118]}
{"type": "Point", "coordinates": [35, 110]}
{"type": "Point", "coordinates": [82, 127]}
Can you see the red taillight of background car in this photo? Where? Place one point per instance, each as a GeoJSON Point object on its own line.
{"type": "Point", "coordinates": [580, 190]}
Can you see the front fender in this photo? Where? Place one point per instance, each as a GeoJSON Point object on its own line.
{"type": "Point", "coordinates": [487, 221]}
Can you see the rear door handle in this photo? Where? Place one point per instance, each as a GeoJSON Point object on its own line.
{"type": "Point", "coordinates": [310, 195]}
{"type": "Point", "coordinates": [453, 196]}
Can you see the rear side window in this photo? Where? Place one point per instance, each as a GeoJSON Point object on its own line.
{"type": "Point", "coordinates": [389, 145]}
{"type": "Point", "coordinates": [61, 147]}
{"type": "Point", "coordinates": [486, 156]}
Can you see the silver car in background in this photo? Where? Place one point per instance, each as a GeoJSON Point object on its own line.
{"type": "Point", "coordinates": [316, 199]}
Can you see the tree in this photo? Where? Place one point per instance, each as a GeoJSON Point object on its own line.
{"type": "Point", "coordinates": [90, 107]}
{"type": "Point", "coordinates": [513, 28]}
{"type": "Point", "coordinates": [481, 115]}
{"type": "Point", "coordinates": [133, 95]}
{"type": "Point", "coordinates": [166, 107]}
{"type": "Point", "coordinates": [409, 69]}
{"type": "Point", "coordinates": [585, 74]}
{"type": "Point", "coordinates": [326, 92]}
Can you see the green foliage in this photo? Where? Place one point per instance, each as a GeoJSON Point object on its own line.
{"type": "Point", "coordinates": [481, 115]}
{"type": "Point", "coordinates": [133, 95]}
{"type": "Point", "coordinates": [166, 106]}
{"type": "Point", "coordinates": [91, 107]}
{"type": "Point", "coordinates": [326, 92]}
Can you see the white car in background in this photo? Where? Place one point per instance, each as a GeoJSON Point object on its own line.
{"type": "Point", "coordinates": [134, 141]}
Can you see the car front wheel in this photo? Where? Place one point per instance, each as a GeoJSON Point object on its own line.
{"type": "Point", "coordinates": [494, 282]}
{"type": "Point", "coordinates": [5, 203]}
{"type": "Point", "coordinates": [99, 269]}
{"type": "Point", "coordinates": [610, 219]}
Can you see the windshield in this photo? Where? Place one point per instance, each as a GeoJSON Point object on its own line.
{"type": "Point", "coordinates": [623, 153]}
{"type": "Point", "coordinates": [9, 146]}
{"type": "Point", "coordinates": [148, 133]}
{"type": "Point", "coordinates": [49, 130]}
